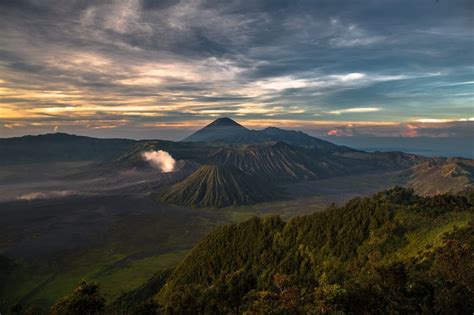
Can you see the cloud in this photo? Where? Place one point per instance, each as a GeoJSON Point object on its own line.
{"type": "Point", "coordinates": [356, 110]}
{"type": "Point", "coordinates": [350, 76]}
{"type": "Point", "coordinates": [352, 35]}
{"type": "Point", "coordinates": [433, 120]}
{"type": "Point", "coordinates": [461, 83]}
{"type": "Point", "coordinates": [443, 120]}
{"type": "Point", "coordinates": [409, 131]}
{"type": "Point", "coordinates": [14, 125]}
{"type": "Point", "coordinates": [283, 83]}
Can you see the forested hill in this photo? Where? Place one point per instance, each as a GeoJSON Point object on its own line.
{"type": "Point", "coordinates": [394, 252]}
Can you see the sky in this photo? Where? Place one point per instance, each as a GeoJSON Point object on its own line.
{"type": "Point", "coordinates": [161, 69]}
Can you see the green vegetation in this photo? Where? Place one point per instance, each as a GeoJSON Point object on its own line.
{"type": "Point", "coordinates": [218, 186]}
{"type": "Point", "coordinates": [30, 284]}
{"type": "Point", "coordinates": [393, 252]}
{"type": "Point", "coordinates": [86, 299]}
{"type": "Point", "coordinates": [133, 301]}
{"type": "Point", "coordinates": [135, 247]}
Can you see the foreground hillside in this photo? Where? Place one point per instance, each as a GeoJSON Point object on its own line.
{"type": "Point", "coordinates": [394, 252]}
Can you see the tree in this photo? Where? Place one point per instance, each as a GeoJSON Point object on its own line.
{"type": "Point", "coordinates": [34, 310]}
{"type": "Point", "coordinates": [86, 299]}
{"type": "Point", "coordinates": [14, 309]}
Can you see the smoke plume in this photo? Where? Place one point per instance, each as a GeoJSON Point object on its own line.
{"type": "Point", "coordinates": [160, 159]}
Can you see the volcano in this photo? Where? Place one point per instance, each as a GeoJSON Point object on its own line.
{"type": "Point", "coordinates": [217, 186]}
{"type": "Point", "coordinates": [226, 130]}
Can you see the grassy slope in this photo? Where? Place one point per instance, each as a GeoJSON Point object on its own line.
{"type": "Point", "coordinates": [30, 285]}
{"type": "Point", "coordinates": [134, 247]}
{"type": "Point", "coordinates": [425, 235]}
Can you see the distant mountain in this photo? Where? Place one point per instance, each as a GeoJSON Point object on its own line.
{"type": "Point", "coordinates": [60, 147]}
{"type": "Point", "coordinates": [217, 186]}
{"type": "Point", "coordinates": [301, 139]}
{"type": "Point", "coordinates": [226, 130]}
{"type": "Point", "coordinates": [440, 176]}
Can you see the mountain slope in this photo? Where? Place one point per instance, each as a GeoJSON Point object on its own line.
{"type": "Point", "coordinates": [439, 176]}
{"type": "Point", "coordinates": [274, 160]}
{"type": "Point", "coordinates": [391, 253]}
{"type": "Point", "coordinates": [216, 186]}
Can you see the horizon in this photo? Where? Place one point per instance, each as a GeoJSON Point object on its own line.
{"type": "Point", "coordinates": [145, 69]}
{"type": "Point", "coordinates": [425, 146]}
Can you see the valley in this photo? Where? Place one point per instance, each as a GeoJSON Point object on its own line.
{"type": "Point", "coordinates": [125, 238]}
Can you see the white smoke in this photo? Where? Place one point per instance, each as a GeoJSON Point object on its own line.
{"type": "Point", "coordinates": [160, 159]}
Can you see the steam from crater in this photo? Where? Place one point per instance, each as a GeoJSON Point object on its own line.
{"type": "Point", "coordinates": [160, 159]}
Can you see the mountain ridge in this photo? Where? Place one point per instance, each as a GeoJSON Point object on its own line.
{"type": "Point", "coordinates": [226, 130]}
{"type": "Point", "coordinates": [54, 147]}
